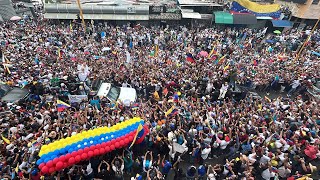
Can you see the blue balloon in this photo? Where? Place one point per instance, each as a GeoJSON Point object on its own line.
{"type": "Point", "coordinates": [46, 160]}
{"type": "Point", "coordinates": [39, 161]}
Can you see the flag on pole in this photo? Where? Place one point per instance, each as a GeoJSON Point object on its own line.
{"type": "Point", "coordinates": [61, 106]}
{"type": "Point", "coordinates": [139, 129]}
{"type": "Point", "coordinates": [5, 139]}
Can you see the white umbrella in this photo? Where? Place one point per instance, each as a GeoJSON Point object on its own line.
{"type": "Point", "coordinates": [15, 18]}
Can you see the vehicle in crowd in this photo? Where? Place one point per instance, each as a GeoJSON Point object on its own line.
{"type": "Point", "coordinates": [12, 94]}
{"type": "Point", "coordinates": [125, 95]}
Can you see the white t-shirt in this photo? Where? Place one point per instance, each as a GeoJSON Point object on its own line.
{"type": "Point", "coordinates": [223, 144]}
{"type": "Point", "coordinates": [205, 152]}
{"type": "Point", "coordinates": [267, 175]}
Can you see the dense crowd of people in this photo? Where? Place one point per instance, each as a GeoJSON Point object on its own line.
{"type": "Point", "coordinates": [220, 130]}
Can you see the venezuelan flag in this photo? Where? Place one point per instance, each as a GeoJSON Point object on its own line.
{"type": "Point", "coordinates": [190, 58]}
{"type": "Point", "coordinates": [135, 106]}
{"type": "Point", "coordinates": [171, 112]}
{"type": "Point", "coordinates": [61, 106]}
{"type": "Point", "coordinates": [139, 133]}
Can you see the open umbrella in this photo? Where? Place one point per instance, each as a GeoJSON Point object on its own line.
{"type": "Point", "coordinates": [203, 53]}
{"type": "Point", "coordinates": [15, 18]}
{"type": "Point", "coordinates": [277, 32]}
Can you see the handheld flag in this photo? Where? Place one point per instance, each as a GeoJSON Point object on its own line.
{"type": "Point", "coordinates": [5, 139]}
{"type": "Point", "coordinates": [135, 137]}
{"type": "Point", "coordinates": [171, 112]}
{"type": "Point", "coordinates": [213, 52]}
{"type": "Point", "coordinates": [221, 59]}
{"type": "Point", "coordinates": [61, 106]}
{"type": "Point", "coordinates": [190, 58]}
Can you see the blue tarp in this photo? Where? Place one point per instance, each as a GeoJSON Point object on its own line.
{"type": "Point", "coordinates": [281, 23]}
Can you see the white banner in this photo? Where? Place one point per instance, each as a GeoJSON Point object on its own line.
{"type": "Point", "coordinates": [77, 98]}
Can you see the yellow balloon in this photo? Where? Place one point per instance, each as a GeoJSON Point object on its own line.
{"type": "Point", "coordinates": [179, 93]}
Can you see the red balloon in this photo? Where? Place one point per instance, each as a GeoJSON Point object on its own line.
{"type": "Point", "coordinates": [104, 145]}
{"type": "Point", "coordinates": [108, 143]}
{"type": "Point", "coordinates": [59, 165]}
{"type": "Point", "coordinates": [45, 169]}
{"type": "Point", "coordinates": [72, 160]}
{"type": "Point", "coordinates": [107, 148]}
{"type": "Point", "coordinates": [86, 150]}
{"type": "Point", "coordinates": [98, 146]}
{"type": "Point", "coordinates": [68, 156]}
{"type": "Point", "coordinates": [113, 141]}
{"type": "Point", "coordinates": [50, 163]}
{"type": "Point", "coordinates": [96, 152]}
{"type": "Point", "coordinates": [112, 147]}
{"type": "Point", "coordinates": [80, 151]}
{"type": "Point", "coordinates": [92, 148]}
{"type": "Point", "coordinates": [55, 160]}
{"type": "Point", "coordinates": [41, 165]}
{"type": "Point", "coordinates": [126, 141]}
{"type": "Point", "coordinates": [130, 138]}
{"type": "Point", "coordinates": [102, 150]}
{"type": "Point", "coordinates": [117, 145]}
{"type": "Point", "coordinates": [122, 143]}
{"type": "Point", "coordinates": [62, 158]}
{"type": "Point", "coordinates": [84, 156]}
{"type": "Point", "coordinates": [78, 158]}
{"type": "Point", "coordinates": [90, 154]}
{"type": "Point", "coordinates": [51, 170]}
{"type": "Point", "coordinates": [74, 154]}
{"type": "Point", "coordinates": [65, 165]}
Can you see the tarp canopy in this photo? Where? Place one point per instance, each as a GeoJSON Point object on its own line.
{"type": "Point", "coordinates": [221, 17]}
{"type": "Point", "coordinates": [281, 23]}
{"type": "Point", "coordinates": [244, 19]}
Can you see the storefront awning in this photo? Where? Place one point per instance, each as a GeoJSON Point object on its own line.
{"type": "Point", "coordinates": [281, 23]}
{"type": "Point", "coordinates": [123, 17]}
{"type": "Point", "coordinates": [191, 15]}
{"type": "Point", "coordinates": [244, 19]}
{"type": "Point", "coordinates": [221, 17]}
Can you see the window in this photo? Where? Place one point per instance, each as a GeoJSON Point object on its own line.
{"type": "Point", "coordinates": [315, 2]}
{"type": "Point", "coordinates": [113, 93]}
